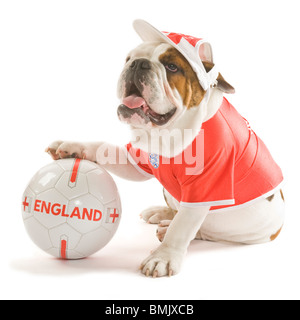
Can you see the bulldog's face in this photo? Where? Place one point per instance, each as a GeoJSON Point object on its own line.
{"type": "Point", "coordinates": [156, 86]}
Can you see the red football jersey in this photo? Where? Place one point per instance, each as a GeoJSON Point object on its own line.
{"type": "Point", "coordinates": [226, 165]}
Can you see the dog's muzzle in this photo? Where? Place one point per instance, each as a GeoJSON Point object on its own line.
{"type": "Point", "coordinates": [134, 108]}
{"type": "Point", "coordinates": [145, 113]}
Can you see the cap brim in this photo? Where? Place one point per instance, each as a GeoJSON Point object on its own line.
{"type": "Point", "coordinates": [150, 34]}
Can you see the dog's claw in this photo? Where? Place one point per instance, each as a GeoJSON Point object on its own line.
{"type": "Point", "coordinates": [52, 153]}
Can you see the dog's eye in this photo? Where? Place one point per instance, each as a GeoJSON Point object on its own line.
{"type": "Point", "coordinates": [172, 67]}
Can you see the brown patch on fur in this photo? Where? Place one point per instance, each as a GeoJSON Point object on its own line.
{"type": "Point", "coordinates": [282, 196]}
{"type": "Point", "coordinates": [184, 80]}
{"type": "Point", "coordinates": [271, 197]}
{"type": "Point", "coordinates": [274, 236]}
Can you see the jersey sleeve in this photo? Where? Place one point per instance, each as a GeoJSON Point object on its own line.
{"type": "Point", "coordinates": [139, 160]}
{"type": "Point", "coordinates": [214, 187]}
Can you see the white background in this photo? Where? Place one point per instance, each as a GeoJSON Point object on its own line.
{"type": "Point", "coordinates": [59, 66]}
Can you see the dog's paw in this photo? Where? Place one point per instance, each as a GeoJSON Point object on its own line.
{"type": "Point", "coordinates": [163, 262]}
{"type": "Point", "coordinates": [162, 229]}
{"type": "Point", "coordinates": [155, 215]}
{"type": "Point", "coordinates": [51, 150]}
{"type": "Point", "coordinates": [62, 150]}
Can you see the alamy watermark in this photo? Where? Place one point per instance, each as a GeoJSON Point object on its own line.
{"type": "Point", "coordinates": [159, 142]}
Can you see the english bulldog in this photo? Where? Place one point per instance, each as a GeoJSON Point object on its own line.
{"type": "Point", "coordinates": [220, 181]}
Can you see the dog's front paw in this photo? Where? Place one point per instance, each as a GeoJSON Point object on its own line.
{"type": "Point", "coordinates": [62, 150]}
{"type": "Point", "coordinates": [163, 262]}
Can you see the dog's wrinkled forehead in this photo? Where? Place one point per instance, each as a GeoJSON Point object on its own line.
{"type": "Point", "coordinates": [149, 50]}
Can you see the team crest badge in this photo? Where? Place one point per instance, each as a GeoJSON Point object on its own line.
{"type": "Point", "coordinates": [154, 160]}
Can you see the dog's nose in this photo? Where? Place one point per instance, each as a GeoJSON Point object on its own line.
{"type": "Point", "coordinates": [140, 64]}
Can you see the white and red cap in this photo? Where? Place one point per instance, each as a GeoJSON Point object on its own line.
{"type": "Point", "coordinates": [195, 50]}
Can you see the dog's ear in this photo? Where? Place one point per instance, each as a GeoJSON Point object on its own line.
{"type": "Point", "coordinates": [222, 85]}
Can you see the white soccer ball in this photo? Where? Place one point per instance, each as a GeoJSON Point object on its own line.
{"type": "Point", "coordinates": [71, 208]}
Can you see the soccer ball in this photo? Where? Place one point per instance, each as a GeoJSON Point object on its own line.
{"type": "Point", "coordinates": [71, 208]}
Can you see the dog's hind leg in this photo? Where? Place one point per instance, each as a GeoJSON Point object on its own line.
{"type": "Point", "coordinates": [162, 229]}
{"type": "Point", "coordinates": [155, 215]}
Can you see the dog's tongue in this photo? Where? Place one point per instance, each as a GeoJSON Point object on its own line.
{"type": "Point", "coordinates": [134, 102]}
